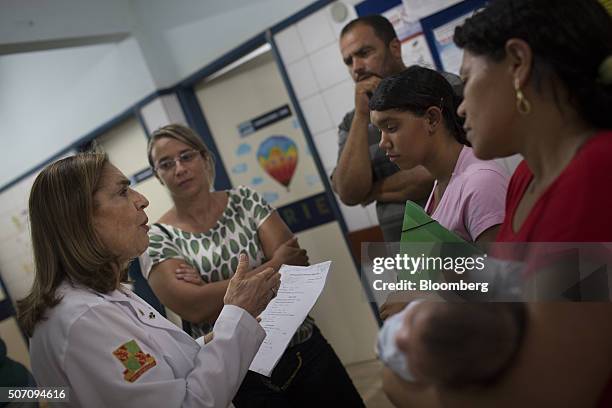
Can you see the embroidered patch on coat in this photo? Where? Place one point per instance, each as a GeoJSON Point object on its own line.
{"type": "Point", "coordinates": [135, 361]}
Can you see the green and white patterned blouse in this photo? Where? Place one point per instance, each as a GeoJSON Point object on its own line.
{"type": "Point", "coordinates": [214, 253]}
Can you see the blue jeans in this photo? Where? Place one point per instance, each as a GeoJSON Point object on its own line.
{"type": "Point", "coordinates": [307, 375]}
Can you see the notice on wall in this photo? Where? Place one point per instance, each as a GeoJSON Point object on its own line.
{"type": "Point", "coordinates": [450, 54]}
{"type": "Point", "coordinates": [414, 46]}
{"type": "Point", "coordinates": [416, 52]}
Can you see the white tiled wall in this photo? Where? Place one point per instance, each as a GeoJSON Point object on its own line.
{"type": "Point", "coordinates": [316, 114]}
{"type": "Point", "coordinates": [327, 144]}
{"type": "Point", "coordinates": [289, 41]}
{"type": "Point", "coordinates": [339, 99]}
{"type": "Point", "coordinates": [358, 217]}
{"type": "Point", "coordinates": [302, 78]}
{"type": "Point", "coordinates": [322, 85]}
{"type": "Point", "coordinates": [328, 67]}
{"type": "Point", "coordinates": [315, 31]}
{"type": "Point", "coordinates": [371, 209]}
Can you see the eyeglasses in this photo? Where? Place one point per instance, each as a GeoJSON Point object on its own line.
{"type": "Point", "coordinates": [184, 157]}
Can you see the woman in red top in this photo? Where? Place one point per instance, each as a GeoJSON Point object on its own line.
{"type": "Point", "coordinates": [538, 81]}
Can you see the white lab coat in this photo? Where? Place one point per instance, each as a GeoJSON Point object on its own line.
{"type": "Point", "coordinates": [74, 347]}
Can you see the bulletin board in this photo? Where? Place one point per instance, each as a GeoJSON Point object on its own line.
{"type": "Point", "coordinates": [439, 29]}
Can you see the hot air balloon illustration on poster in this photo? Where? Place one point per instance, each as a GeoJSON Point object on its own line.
{"type": "Point", "coordinates": [278, 156]}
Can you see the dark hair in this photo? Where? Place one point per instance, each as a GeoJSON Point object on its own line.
{"type": "Point", "coordinates": [381, 26]}
{"type": "Point", "coordinates": [472, 343]}
{"type": "Point", "coordinates": [569, 39]}
{"type": "Point", "coordinates": [416, 89]}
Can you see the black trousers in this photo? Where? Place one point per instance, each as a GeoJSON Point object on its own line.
{"type": "Point", "coordinates": [307, 375]}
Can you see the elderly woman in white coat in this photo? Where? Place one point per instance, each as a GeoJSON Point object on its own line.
{"type": "Point", "coordinates": [94, 335]}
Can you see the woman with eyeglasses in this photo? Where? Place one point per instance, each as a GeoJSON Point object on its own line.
{"type": "Point", "coordinates": [191, 259]}
{"type": "Point", "coordinates": [93, 335]}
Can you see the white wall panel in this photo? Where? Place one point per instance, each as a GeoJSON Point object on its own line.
{"type": "Point", "coordinates": [302, 78]}
{"type": "Point", "coordinates": [316, 115]}
{"type": "Point", "coordinates": [328, 66]}
{"type": "Point", "coordinates": [289, 45]}
{"type": "Point", "coordinates": [356, 217]}
{"type": "Point", "coordinates": [327, 146]}
{"type": "Point", "coordinates": [339, 100]}
{"type": "Point", "coordinates": [315, 31]}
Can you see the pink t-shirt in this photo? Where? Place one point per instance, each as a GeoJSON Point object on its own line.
{"type": "Point", "coordinates": [475, 197]}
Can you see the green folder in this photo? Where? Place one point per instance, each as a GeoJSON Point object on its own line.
{"type": "Point", "coordinates": [420, 227]}
{"type": "Point", "coordinates": [424, 236]}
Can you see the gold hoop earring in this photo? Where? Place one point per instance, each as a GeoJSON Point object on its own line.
{"type": "Point", "coordinates": [522, 104]}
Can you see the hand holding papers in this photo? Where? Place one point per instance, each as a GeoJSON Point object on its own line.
{"type": "Point", "coordinates": [299, 290]}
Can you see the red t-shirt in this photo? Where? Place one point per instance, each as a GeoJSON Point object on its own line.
{"type": "Point", "coordinates": [576, 207]}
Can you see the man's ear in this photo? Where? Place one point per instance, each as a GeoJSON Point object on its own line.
{"type": "Point", "coordinates": [433, 116]}
{"type": "Point", "coordinates": [395, 47]}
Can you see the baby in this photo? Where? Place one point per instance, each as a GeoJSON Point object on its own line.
{"type": "Point", "coordinates": [452, 344]}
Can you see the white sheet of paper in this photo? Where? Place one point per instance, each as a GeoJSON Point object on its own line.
{"type": "Point", "coordinates": [299, 290]}
{"type": "Point", "coordinates": [416, 52]}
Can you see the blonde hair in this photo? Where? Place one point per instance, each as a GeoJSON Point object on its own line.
{"type": "Point", "coordinates": [190, 138]}
{"type": "Point", "coordinates": [65, 244]}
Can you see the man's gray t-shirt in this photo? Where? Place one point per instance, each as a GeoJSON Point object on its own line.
{"type": "Point", "coordinates": [390, 214]}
